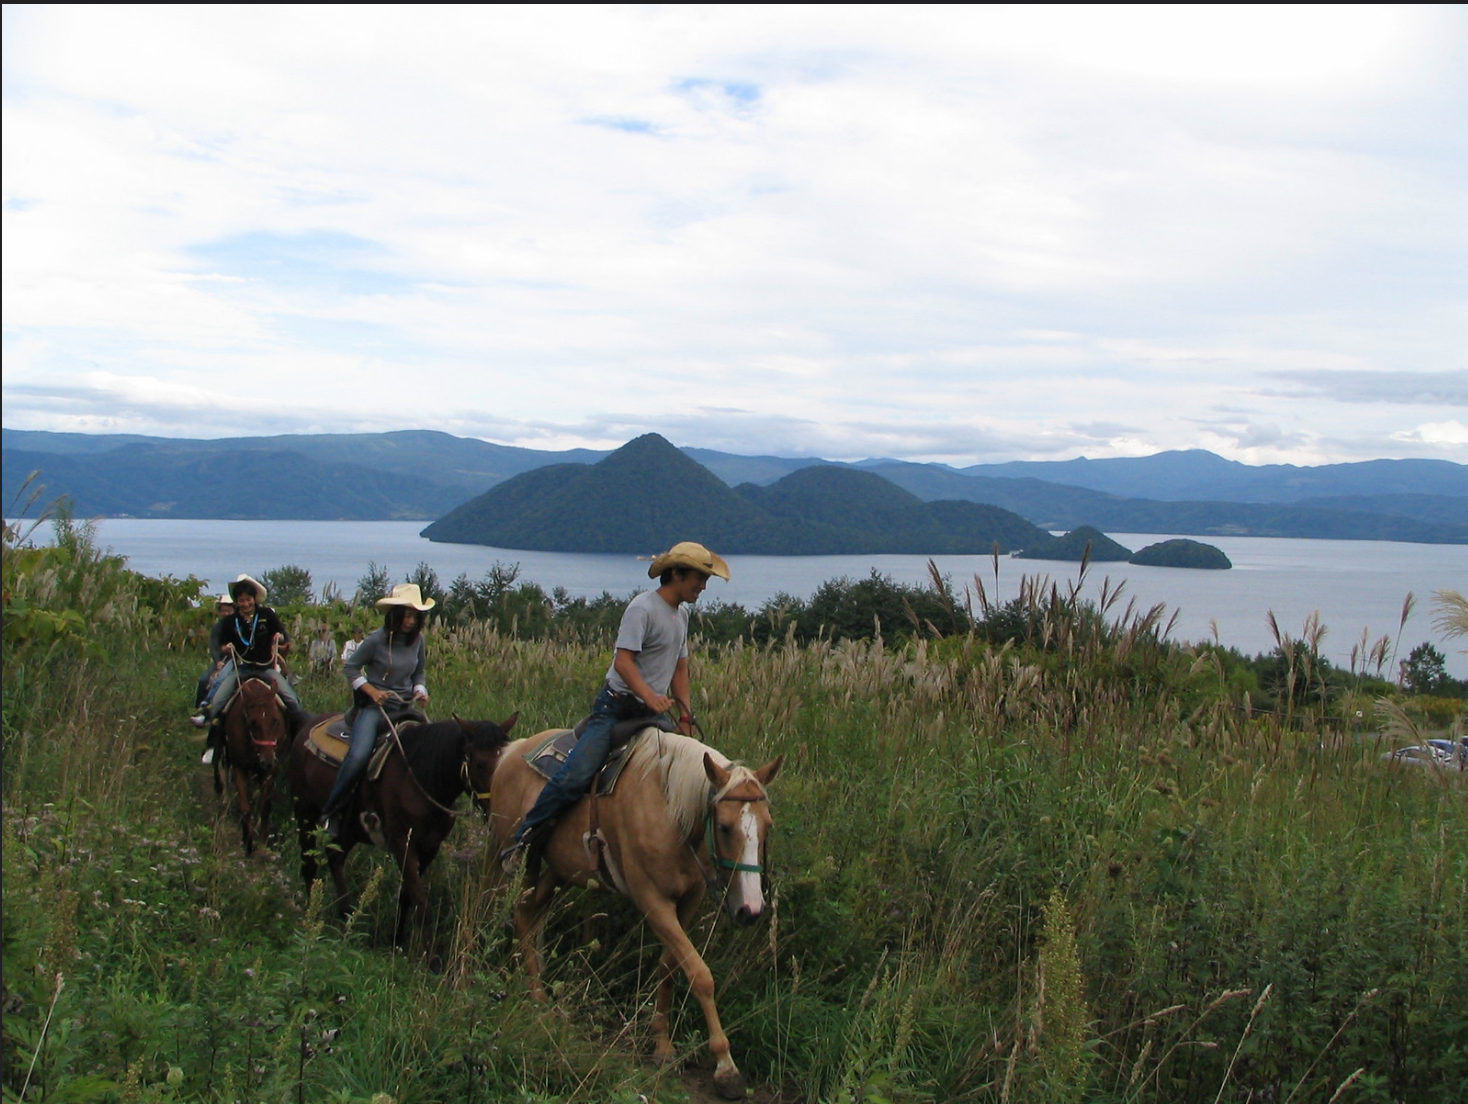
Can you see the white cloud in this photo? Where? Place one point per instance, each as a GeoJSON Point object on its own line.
{"type": "Point", "coordinates": [1448, 433]}
{"type": "Point", "coordinates": [915, 231]}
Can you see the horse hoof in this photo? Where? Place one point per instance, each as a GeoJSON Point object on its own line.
{"type": "Point", "coordinates": [730, 1084]}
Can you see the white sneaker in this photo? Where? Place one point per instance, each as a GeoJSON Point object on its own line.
{"type": "Point", "coordinates": [207, 757]}
{"type": "Point", "coordinates": [199, 720]}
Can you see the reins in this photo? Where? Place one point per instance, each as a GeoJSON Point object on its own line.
{"type": "Point", "coordinates": [240, 680]}
{"type": "Point", "coordinates": [408, 766]}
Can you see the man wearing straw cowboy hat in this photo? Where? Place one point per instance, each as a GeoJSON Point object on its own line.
{"type": "Point", "coordinates": [253, 638]}
{"type": "Point", "coordinates": [386, 672]}
{"type": "Point", "coordinates": [648, 676]}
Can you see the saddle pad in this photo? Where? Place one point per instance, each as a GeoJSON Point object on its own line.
{"type": "Point", "coordinates": [547, 756]}
{"type": "Point", "coordinates": [330, 740]}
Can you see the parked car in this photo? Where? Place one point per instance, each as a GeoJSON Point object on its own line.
{"type": "Point", "coordinates": [1423, 755]}
{"type": "Point", "coordinates": [1454, 749]}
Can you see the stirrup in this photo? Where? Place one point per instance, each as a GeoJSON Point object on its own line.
{"type": "Point", "coordinates": [513, 857]}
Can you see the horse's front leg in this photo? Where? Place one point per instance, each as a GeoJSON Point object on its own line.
{"type": "Point", "coordinates": [668, 966]}
{"type": "Point", "coordinates": [336, 862]}
{"type": "Point", "coordinates": [411, 896]}
{"type": "Point", "coordinates": [267, 799]}
{"type": "Point", "coordinates": [242, 806]}
{"type": "Point", "coordinates": [413, 901]}
{"type": "Point", "coordinates": [530, 912]}
{"type": "Point", "coordinates": [306, 838]}
{"type": "Point", "coordinates": [678, 950]}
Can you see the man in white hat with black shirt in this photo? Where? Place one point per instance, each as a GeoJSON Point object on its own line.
{"type": "Point", "coordinates": [253, 639]}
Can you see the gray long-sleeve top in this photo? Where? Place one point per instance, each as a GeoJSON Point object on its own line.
{"type": "Point", "coordinates": [216, 641]}
{"type": "Point", "coordinates": [389, 663]}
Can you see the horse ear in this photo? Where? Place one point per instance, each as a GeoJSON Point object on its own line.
{"type": "Point", "coordinates": [718, 775]}
{"type": "Point", "coordinates": [505, 726]}
{"type": "Point", "coordinates": [766, 774]}
{"type": "Point", "coordinates": [463, 724]}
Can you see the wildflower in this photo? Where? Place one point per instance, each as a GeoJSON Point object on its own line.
{"type": "Point", "coordinates": [175, 1075]}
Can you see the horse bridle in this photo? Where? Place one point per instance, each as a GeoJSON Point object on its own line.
{"type": "Point", "coordinates": [249, 721]}
{"type": "Point", "coordinates": [242, 678]}
{"type": "Point", "coordinates": [469, 789]}
{"type": "Point", "coordinates": [718, 860]}
{"type": "Point", "coordinates": [423, 792]}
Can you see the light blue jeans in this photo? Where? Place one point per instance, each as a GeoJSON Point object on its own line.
{"type": "Point", "coordinates": [228, 682]}
{"type": "Point", "coordinates": [359, 754]}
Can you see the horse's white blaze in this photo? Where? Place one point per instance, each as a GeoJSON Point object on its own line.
{"type": "Point", "coordinates": [749, 881]}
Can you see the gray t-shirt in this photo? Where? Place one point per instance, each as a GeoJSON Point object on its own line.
{"type": "Point", "coordinates": [658, 633]}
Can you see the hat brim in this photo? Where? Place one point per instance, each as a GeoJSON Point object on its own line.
{"type": "Point", "coordinates": [245, 581]}
{"type": "Point", "coordinates": [714, 565]}
{"type": "Point", "coordinates": [389, 602]}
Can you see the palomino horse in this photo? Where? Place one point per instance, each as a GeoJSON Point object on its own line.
{"type": "Point", "coordinates": [254, 729]}
{"type": "Point", "coordinates": [407, 809]}
{"type": "Point", "coordinates": [681, 818]}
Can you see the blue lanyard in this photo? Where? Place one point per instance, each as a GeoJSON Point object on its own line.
{"type": "Point", "coordinates": [247, 641]}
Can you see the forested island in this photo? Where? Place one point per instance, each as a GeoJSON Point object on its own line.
{"type": "Point", "coordinates": [1087, 543]}
{"type": "Point", "coordinates": [648, 495]}
{"type": "Point", "coordinates": [1183, 553]}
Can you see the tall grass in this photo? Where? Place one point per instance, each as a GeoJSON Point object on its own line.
{"type": "Point", "coordinates": [1062, 868]}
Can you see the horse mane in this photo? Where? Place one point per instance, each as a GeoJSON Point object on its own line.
{"type": "Point", "coordinates": [677, 763]}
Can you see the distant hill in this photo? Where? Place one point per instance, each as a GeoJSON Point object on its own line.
{"type": "Point", "coordinates": [140, 480]}
{"type": "Point", "coordinates": [1056, 506]}
{"type": "Point", "coordinates": [1073, 547]}
{"type": "Point", "coordinates": [1197, 475]}
{"type": "Point", "coordinates": [1435, 509]}
{"type": "Point", "coordinates": [863, 506]}
{"type": "Point", "coordinates": [460, 466]}
{"type": "Point", "coordinates": [648, 495]}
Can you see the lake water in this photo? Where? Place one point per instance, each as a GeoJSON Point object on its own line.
{"type": "Point", "coordinates": [1353, 585]}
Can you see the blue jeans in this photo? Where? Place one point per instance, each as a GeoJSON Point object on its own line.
{"type": "Point", "coordinates": [228, 682]}
{"type": "Point", "coordinates": [569, 784]}
{"type": "Point", "coordinates": [359, 753]}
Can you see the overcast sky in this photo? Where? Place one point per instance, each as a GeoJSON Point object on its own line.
{"type": "Point", "coordinates": [952, 234]}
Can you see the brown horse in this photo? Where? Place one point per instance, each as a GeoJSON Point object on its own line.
{"type": "Point", "coordinates": [681, 818]}
{"type": "Point", "coordinates": [407, 810]}
{"type": "Point", "coordinates": [254, 730]}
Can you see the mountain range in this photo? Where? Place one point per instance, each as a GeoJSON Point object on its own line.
{"type": "Point", "coordinates": [424, 474]}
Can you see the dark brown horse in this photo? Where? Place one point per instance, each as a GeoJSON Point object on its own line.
{"type": "Point", "coordinates": [407, 810]}
{"type": "Point", "coordinates": [681, 818]}
{"type": "Point", "coordinates": [254, 739]}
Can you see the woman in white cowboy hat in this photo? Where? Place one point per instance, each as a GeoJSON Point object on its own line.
{"type": "Point", "coordinates": [385, 670]}
{"type": "Point", "coordinates": [253, 638]}
{"type": "Point", "coordinates": [648, 676]}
